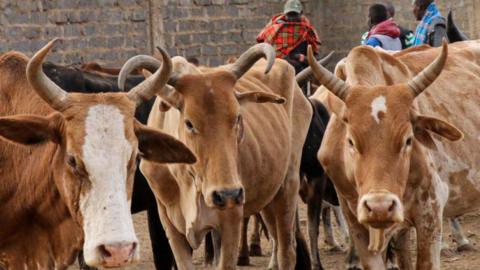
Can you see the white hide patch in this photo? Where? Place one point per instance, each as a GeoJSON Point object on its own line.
{"type": "Point", "coordinates": [105, 209]}
{"type": "Point", "coordinates": [379, 104]}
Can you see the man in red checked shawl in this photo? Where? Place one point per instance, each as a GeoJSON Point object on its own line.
{"type": "Point", "coordinates": [290, 34]}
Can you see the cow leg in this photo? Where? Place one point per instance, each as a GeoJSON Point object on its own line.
{"type": "Point", "coordinates": [314, 206]}
{"type": "Point", "coordinates": [208, 249]}
{"type": "Point", "coordinates": [182, 251]}
{"type": "Point", "coordinates": [255, 246]}
{"type": "Point", "coordinates": [391, 256]}
{"type": "Point", "coordinates": [243, 257]}
{"type": "Point", "coordinates": [340, 218]}
{"type": "Point", "coordinates": [328, 229]}
{"type": "Point", "coordinates": [269, 218]}
{"type": "Point", "coordinates": [402, 247]}
{"type": "Point", "coordinates": [459, 237]}
{"type": "Point", "coordinates": [283, 210]}
{"type": "Point", "coordinates": [273, 263]}
{"type": "Point", "coordinates": [217, 243]}
{"type": "Point", "coordinates": [352, 261]}
{"type": "Point", "coordinates": [230, 237]}
{"type": "Point", "coordinates": [429, 237]}
{"type": "Point", "coordinates": [162, 254]}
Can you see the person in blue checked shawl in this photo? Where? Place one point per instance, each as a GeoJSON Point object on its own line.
{"type": "Point", "coordinates": [432, 27]}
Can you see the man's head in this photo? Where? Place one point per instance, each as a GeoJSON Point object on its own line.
{"type": "Point", "coordinates": [293, 9]}
{"type": "Point", "coordinates": [377, 13]}
{"type": "Point", "coordinates": [420, 7]}
{"type": "Point", "coordinates": [390, 9]}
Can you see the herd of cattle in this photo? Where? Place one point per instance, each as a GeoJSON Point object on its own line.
{"type": "Point", "coordinates": [390, 141]}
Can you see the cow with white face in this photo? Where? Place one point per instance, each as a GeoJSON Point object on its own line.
{"type": "Point", "coordinates": [71, 180]}
{"type": "Point", "coordinates": [378, 151]}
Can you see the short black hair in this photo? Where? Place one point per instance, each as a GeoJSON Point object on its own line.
{"type": "Point", "coordinates": [377, 13]}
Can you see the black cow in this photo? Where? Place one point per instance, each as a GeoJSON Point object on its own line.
{"type": "Point", "coordinates": [75, 80]}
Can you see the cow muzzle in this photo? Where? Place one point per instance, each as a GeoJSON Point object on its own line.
{"type": "Point", "coordinates": [228, 198]}
{"type": "Point", "coordinates": [380, 210]}
{"type": "Point", "coordinates": [116, 255]}
{"type": "Point", "coordinates": [113, 255]}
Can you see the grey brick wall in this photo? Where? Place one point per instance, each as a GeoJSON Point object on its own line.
{"type": "Point", "coordinates": [106, 30]}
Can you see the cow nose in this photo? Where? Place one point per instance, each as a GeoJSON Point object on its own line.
{"type": "Point", "coordinates": [380, 210]}
{"type": "Point", "coordinates": [227, 198]}
{"type": "Point", "coordinates": [116, 255]}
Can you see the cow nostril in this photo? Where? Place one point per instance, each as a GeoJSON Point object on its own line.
{"type": "Point", "coordinates": [366, 206]}
{"type": "Point", "coordinates": [390, 209]}
{"type": "Point", "coordinates": [104, 252]}
{"type": "Point", "coordinates": [218, 199]}
{"type": "Point", "coordinates": [239, 196]}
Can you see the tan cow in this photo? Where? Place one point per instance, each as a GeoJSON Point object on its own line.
{"type": "Point", "coordinates": [248, 153]}
{"type": "Point", "coordinates": [391, 172]}
{"type": "Point", "coordinates": [67, 166]}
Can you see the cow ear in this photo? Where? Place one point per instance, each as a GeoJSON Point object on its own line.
{"type": "Point", "coordinates": [31, 129]}
{"type": "Point", "coordinates": [162, 148]}
{"type": "Point", "coordinates": [422, 124]}
{"type": "Point", "coordinates": [335, 105]}
{"type": "Point", "coordinates": [258, 97]}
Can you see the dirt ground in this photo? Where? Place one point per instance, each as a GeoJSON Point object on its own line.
{"type": "Point", "coordinates": [331, 260]}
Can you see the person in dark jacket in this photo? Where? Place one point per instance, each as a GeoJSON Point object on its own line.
{"type": "Point", "coordinates": [432, 27]}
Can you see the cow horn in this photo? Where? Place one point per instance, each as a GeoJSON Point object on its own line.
{"type": "Point", "coordinates": [51, 93]}
{"type": "Point", "coordinates": [306, 75]}
{"type": "Point", "coordinates": [251, 56]}
{"type": "Point", "coordinates": [145, 61]}
{"type": "Point", "coordinates": [153, 84]}
{"type": "Point", "coordinates": [327, 78]}
{"type": "Point", "coordinates": [428, 75]}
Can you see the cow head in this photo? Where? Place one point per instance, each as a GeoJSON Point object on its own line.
{"type": "Point", "coordinates": [211, 120]}
{"type": "Point", "coordinates": [383, 137]}
{"type": "Point", "coordinates": [98, 141]}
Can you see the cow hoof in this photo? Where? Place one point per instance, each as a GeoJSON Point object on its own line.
{"type": "Point", "coordinates": [466, 247]}
{"type": "Point", "coordinates": [354, 267]}
{"type": "Point", "coordinates": [393, 268]}
{"type": "Point", "coordinates": [243, 261]}
{"type": "Point", "coordinates": [447, 252]}
{"type": "Point", "coordinates": [255, 250]}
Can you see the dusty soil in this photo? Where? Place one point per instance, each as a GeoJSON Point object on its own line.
{"type": "Point", "coordinates": [331, 260]}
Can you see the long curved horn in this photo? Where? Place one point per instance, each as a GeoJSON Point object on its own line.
{"type": "Point", "coordinates": [251, 56]}
{"type": "Point", "coordinates": [428, 75]}
{"type": "Point", "coordinates": [145, 61]}
{"type": "Point", "coordinates": [155, 83]}
{"type": "Point", "coordinates": [327, 78]}
{"type": "Point", "coordinates": [306, 75]}
{"type": "Point", "coordinates": [51, 93]}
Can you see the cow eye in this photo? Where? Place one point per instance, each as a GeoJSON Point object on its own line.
{"type": "Point", "coordinates": [189, 126]}
{"type": "Point", "coordinates": [350, 142]}
{"type": "Point", "coordinates": [71, 161]}
{"type": "Point", "coordinates": [409, 141]}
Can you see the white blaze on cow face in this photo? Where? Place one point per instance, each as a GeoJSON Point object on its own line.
{"type": "Point", "coordinates": [110, 239]}
{"type": "Point", "coordinates": [378, 105]}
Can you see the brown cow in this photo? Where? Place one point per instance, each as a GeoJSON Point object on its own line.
{"type": "Point", "coordinates": [379, 152]}
{"type": "Point", "coordinates": [249, 153]}
{"type": "Point", "coordinates": [67, 166]}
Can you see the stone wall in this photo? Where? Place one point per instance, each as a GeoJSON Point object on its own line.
{"type": "Point", "coordinates": [110, 31]}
